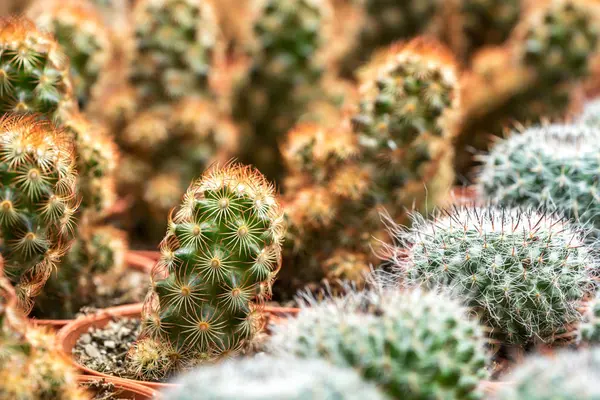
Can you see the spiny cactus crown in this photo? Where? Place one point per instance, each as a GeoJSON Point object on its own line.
{"type": "Point", "coordinates": [415, 345]}
{"type": "Point", "coordinates": [558, 38]}
{"type": "Point", "coordinates": [220, 255]}
{"type": "Point", "coordinates": [555, 167]}
{"type": "Point", "coordinates": [34, 72]}
{"type": "Point", "coordinates": [589, 329]}
{"type": "Point", "coordinates": [37, 201]}
{"type": "Point", "coordinates": [565, 375]}
{"type": "Point", "coordinates": [177, 45]}
{"type": "Point", "coordinates": [80, 30]}
{"type": "Point", "coordinates": [525, 273]}
{"type": "Point", "coordinates": [282, 378]}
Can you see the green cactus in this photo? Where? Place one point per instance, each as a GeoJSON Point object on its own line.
{"type": "Point", "coordinates": [38, 201]}
{"type": "Point", "coordinates": [281, 378]}
{"type": "Point", "coordinates": [34, 71]}
{"type": "Point", "coordinates": [589, 329]}
{"type": "Point", "coordinates": [526, 274]}
{"type": "Point", "coordinates": [284, 77]}
{"type": "Point", "coordinates": [554, 167]}
{"type": "Point", "coordinates": [219, 258]}
{"type": "Point", "coordinates": [85, 38]}
{"type": "Point", "coordinates": [177, 47]}
{"type": "Point", "coordinates": [413, 344]}
{"type": "Point", "coordinates": [562, 376]}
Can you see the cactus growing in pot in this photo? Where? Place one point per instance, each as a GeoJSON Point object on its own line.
{"type": "Point", "coordinates": [285, 378]}
{"type": "Point", "coordinates": [554, 167]}
{"type": "Point", "coordinates": [526, 274]}
{"type": "Point", "coordinates": [219, 257]}
{"type": "Point", "coordinates": [415, 345]}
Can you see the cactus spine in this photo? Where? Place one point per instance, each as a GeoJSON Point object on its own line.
{"type": "Point", "coordinates": [554, 167]}
{"type": "Point", "coordinates": [283, 378]}
{"type": "Point", "coordinates": [415, 345]}
{"type": "Point", "coordinates": [219, 258]}
{"type": "Point", "coordinates": [526, 274]}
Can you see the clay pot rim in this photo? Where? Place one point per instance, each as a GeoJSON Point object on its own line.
{"type": "Point", "coordinates": [133, 387]}
{"type": "Point", "coordinates": [133, 260]}
{"type": "Point", "coordinates": [129, 310]}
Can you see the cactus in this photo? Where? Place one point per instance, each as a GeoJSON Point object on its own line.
{"type": "Point", "coordinates": [282, 378]}
{"type": "Point", "coordinates": [591, 114]}
{"type": "Point", "coordinates": [39, 200]}
{"type": "Point", "coordinates": [34, 72]}
{"type": "Point", "coordinates": [537, 74]}
{"type": "Point", "coordinates": [413, 344]}
{"type": "Point", "coordinates": [30, 366]}
{"type": "Point", "coordinates": [564, 375]}
{"type": "Point", "coordinates": [285, 74]}
{"type": "Point", "coordinates": [474, 24]}
{"type": "Point", "coordinates": [218, 260]}
{"type": "Point", "coordinates": [526, 274]}
{"type": "Point", "coordinates": [554, 167]}
{"type": "Point", "coordinates": [85, 38]}
{"type": "Point", "coordinates": [177, 48]}
{"type": "Point", "coordinates": [588, 331]}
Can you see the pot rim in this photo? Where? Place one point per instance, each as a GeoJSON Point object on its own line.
{"type": "Point", "coordinates": [133, 387]}
{"type": "Point", "coordinates": [130, 310]}
{"type": "Point", "coordinates": [133, 260]}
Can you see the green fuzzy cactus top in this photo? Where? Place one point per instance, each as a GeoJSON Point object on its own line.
{"type": "Point", "coordinates": [414, 345]}
{"type": "Point", "coordinates": [177, 45]}
{"type": "Point", "coordinates": [565, 375]}
{"type": "Point", "coordinates": [526, 274]}
{"type": "Point", "coordinates": [34, 71]}
{"type": "Point", "coordinates": [554, 167]}
{"type": "Point", "coordinates": [38, 201]}
{"type": "Point", "coordinates": [284, 378]}
{"type": "Point", "coordinates": [83, 35]}
{"type": "Point", "coordinates": [219, 258]}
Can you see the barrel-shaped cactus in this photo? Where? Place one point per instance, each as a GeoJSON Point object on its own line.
{"type": "Point", "coordinates": [554, 167]}
{"type": "Point", "coordinates": [285, 378]}
{"type": "Point", "coordinates": [218, 260]}
{"type": "Point", "coordinates": [525, 273]}
{"type": "Point", "coordinates": [38, 201]}
{"type": "Point", "coordinates": [414, 345]}
{"type": "Point", "coordinates": [84, 36]}
{"type": "Point", "coordinates": [565, 375]}
{"type": "Point", "coordinates": [34, 71]}
{"type": "Point", "coordinates": [177, 47]}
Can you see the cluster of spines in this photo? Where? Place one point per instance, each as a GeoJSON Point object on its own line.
{"type": "Point", "coordinates": [526, 274]}
{"type": "Point", "coordinates": [412, 344]}
{"type": "Point", "coordinates": [38, 202]}
{"type": "Point", "coordinates": [218, 260]}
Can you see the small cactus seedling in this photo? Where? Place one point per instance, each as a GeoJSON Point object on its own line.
{"type": "Point", "coordinates": [84, 36]}
{"type": "Point", "coordinates": [554, 167]}
{"type": "Point", "coordinates": [526, 274]}
{"type": "Point", "coordinates": [218, 260]}
{"type": "Point", "coordinates": [281, 378]}
{"type": "Point", "coordinates": [38, 201]}
{"type": "Point", "coordinates": [34, 71]}
{"type": "Point", "coordinates": [177, 46]}
{"type": "Point", "coordinates": [414, 345]}
{"type": "Point", "coordinates": [565, 375]}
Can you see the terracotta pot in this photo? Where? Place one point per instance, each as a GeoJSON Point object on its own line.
{"type": "Point", "coordinates": [127, 389]}
{"type": "Point", "coordinates": [492, 388]}
{"type": "Point", "coordinates": [151, 254]}
{"type": "Point", "coordinates": [69, 335]}
{"type": "Point", "coordinates": [134, 261]}
{"type": "Point", "coordinates": [463, 195]}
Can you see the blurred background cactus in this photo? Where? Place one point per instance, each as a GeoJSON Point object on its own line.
{"type": "Point", "coordinates": [525, 274]}
{"type": "Point", "coordinates": [219, 258]}
{"type": "Point", "coordinates": [284, 378]}
{"type": "Point", "coordinates": [589, 328]}
{"type": "Point", "coordinates": [414, 345]}
{"type": "Point", "coordinates": [553, 167]}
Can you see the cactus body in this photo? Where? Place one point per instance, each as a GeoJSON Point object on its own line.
{"type": "Point", "coordinates": [525, 274]}
{"type": "Point", "coordinates": [589, 328]}
{"type": "Point", "coordinates": [283, 378]}
{"type": "Point", "coordinates": [219, 258]}
{"type": "Point", "coordinates": [415, 345]}
{"type": "Point", "coordinates": [38, 201]}
{"type": "Point", "coordinates": [565, 375]}
{"type": "Point", "coordinates": [554, 167]}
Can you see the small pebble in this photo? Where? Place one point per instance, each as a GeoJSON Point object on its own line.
{"type": "Point", "coordinates": [91, 351]}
